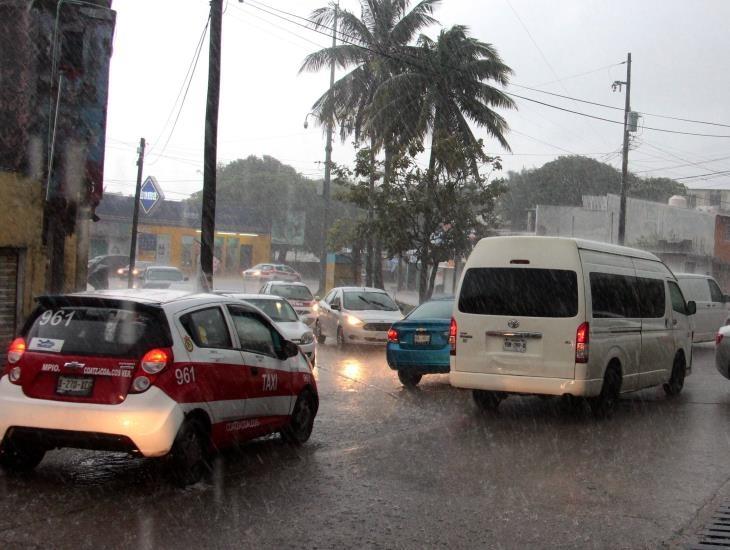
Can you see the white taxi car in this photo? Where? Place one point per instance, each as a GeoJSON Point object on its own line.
{"type": "Point", "coordinates": [154, 373]}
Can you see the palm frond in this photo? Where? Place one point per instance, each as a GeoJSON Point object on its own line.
{"type": "Point", "coordinates": [409, 24]}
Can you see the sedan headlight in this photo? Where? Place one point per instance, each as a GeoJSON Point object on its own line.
{"type": "Point", "coordinates": [354, 321]}
{"type": "Point", "coordinates": [307, 338]}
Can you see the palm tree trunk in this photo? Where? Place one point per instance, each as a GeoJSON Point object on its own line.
{"type": "Point", "coordinates": [369, 263]}
{"type": "Point", "coordinates": [378, 264]}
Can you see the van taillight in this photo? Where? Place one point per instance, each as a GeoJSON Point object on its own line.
{"type": "Point", "coordinates": [581, 343]}
{"type": "Point", "coordinates": [16, 350]}
{"type": "Point", "coordinates": [452, 336]}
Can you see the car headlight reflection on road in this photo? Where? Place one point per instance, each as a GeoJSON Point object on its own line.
{"type": "Point", "coordinates": [354, 321]}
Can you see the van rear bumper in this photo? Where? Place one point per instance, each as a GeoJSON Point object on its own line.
{"type": "Point", "coordinates": [525, 384]}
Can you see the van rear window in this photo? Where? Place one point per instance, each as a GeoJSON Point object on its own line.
{"type": "Point", "coordinates": [519, 292]}
{"type": "Point", "coordinates": [101, 331]}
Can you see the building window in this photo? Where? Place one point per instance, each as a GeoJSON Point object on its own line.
{"type": "Point", "coordinates": [727, 231]}
{"type": "Point", "coordinates": [716, 198]}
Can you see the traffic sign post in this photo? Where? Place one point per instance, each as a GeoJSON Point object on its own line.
{"type": "Point", "coordinates": [151, 195]}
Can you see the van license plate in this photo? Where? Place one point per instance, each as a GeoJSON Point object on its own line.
{"type": "Point", "coordinates": [422, 339]}
{"type": "Point", "coordinates": [511, 344]}
{"type": "Point", "coordinates": [74, 386]}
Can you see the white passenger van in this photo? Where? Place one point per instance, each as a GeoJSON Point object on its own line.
{"type": "Point", "coordinates": [712, 312]}
{"type": "Point", "coordinates": [556, 316]}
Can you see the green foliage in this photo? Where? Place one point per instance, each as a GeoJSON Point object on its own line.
{"type": "Point", "coordinates": [274, 189]}
{"type": "Point", "coordinates": [565, 180]}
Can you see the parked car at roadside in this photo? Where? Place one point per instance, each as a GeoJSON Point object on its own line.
{"type": "Point", "coordinates": [712, 305]}
{"type": "Point", "coordinates": [112, 262]}
{"type": "Point", "coordinates": [285, 317]}
{"type": "Point", "coordinates": [419, 344]}
{"type": "Point", "coordinates": [158, 276]}
{"type": "Point", "coordinates": [153, 373]}
{"type": "Point", "coordinates": [271, 272]}
{"type": "Point", "coordinates": [299, 296]}
{"type": "Point", "coordinates": [356, 315]}
{"type": "Point", "coordinates": [139, 269]}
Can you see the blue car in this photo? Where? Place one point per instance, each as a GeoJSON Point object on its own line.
{"type": "Point", "coordinates": [419, 344]}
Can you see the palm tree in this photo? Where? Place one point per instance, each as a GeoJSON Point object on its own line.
{"type": "Point", "coordinates": [441, 91]}
{"type": "Point", "coordinates": [444, 88]}
{"type": "Point", "coordinates": [370, 49]}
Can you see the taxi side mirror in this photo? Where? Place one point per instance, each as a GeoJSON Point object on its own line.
{"type": "Point", "coordinates": [289, 349]}
{"type": "Point", "coordinates": [691, 307]}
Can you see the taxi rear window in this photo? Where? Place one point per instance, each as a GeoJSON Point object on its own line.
{"type": "Point", "coordinates": [97, 330]}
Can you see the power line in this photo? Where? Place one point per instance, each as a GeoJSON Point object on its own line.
{"type": "Point", "coordinates": [682, 165]}
{"type": "Point", "coordinates": [582, 74]}
{"type": "Point", "coordinates": [185, 95]}
{"type": "Point", "coordinates": [700, 176]}
{"type": "Point", "coordinates": [401, 59]}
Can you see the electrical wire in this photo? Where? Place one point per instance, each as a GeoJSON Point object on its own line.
{"type": "Point", "coordinates": [253, 4]}
{"type": "Point", "coordinates": [185, 95]}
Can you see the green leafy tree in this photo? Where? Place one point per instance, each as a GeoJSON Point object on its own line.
{"type": "Point", "coordinates": [565, 180]}
{"type": "Point", "coordinates": [374, 42]}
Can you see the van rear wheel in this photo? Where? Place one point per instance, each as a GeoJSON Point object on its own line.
{"type": "Point", "coordinates": [676, 381]}
{"type": "Point", "coordinates": [604, 404]}
{"type": "Point", "coordinates": [487, 400]}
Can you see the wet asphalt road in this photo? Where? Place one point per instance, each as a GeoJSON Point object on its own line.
{"type": "Point", "coordinates": [387, 467]}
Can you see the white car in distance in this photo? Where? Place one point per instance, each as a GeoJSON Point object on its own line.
{"type": "Point", "coordinates": [284, 317]}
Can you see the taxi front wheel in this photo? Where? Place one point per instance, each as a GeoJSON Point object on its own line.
{"type": "Point", "coordinates": [300, 426]}
{"type": "Point", "coordinates": [189, 456]}
{"type": "Point", "coordinates": [16, 457]}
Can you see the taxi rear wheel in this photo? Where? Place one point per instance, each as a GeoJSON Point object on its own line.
{"type": "Point", "coordinates": [16, 457]}
{"type": "Point", "coordinates": [302, 419]}
{"type": "Point", "coordinates": [189, 456]}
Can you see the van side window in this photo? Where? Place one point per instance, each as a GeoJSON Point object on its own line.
{"type": "Point", "coordinates": [652, 298]}
{"type": "Point", "coordinates": [715, 292]}
{"type": "Point", "coordinates": [614, 296]}
{"type": "Point", "coordinates": [678, 303]}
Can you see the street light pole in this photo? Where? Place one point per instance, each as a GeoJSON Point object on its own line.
{"type": "Point", "coordinates": [327, 169]}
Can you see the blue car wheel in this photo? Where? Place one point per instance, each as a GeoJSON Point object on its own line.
{"type": "Point", "coordinates": [408, 378]}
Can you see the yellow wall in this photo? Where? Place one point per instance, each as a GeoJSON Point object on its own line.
{"type": "Point", "coordinates": [261, 244]}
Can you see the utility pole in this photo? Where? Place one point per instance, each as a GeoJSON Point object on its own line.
{"type": "Point", "coordinates": [135, 215]}
{"type": "Point", "coordinates": [327, 170]}
{"type": "Point", "coordinates": [625, 158]}
{"type": "Point", "coordinates": [207, 229]}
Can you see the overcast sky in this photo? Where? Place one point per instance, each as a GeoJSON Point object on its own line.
{"type": "Point", "coordinates": [570, 47]}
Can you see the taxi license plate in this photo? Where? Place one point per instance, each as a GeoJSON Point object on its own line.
{"type": "Point", "coordinates": [514, 344]}
{"type": "Point", "coordinates": [422, 339]}
{"type": "Point", "coordinates": [74, 385]}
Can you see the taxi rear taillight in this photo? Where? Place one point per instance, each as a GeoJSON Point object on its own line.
{"type": "Point", "coordinates": [155, 360]}
{"type": "Point", "coordinates": [152, 364]}
{"type": "Point", "coordinates": [452, 337]}
{"type": "Point", "coordinates": [393, 336]}
{"type": "Point", "coordinates": [16, 350]}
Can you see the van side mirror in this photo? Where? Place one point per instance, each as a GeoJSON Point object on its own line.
{"type": "Point", "coordinates": [691, 307]}
{"type": "Point", "coordinates": [335, 307]}
{"type": "Point", "coordinates": [726, 298]}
